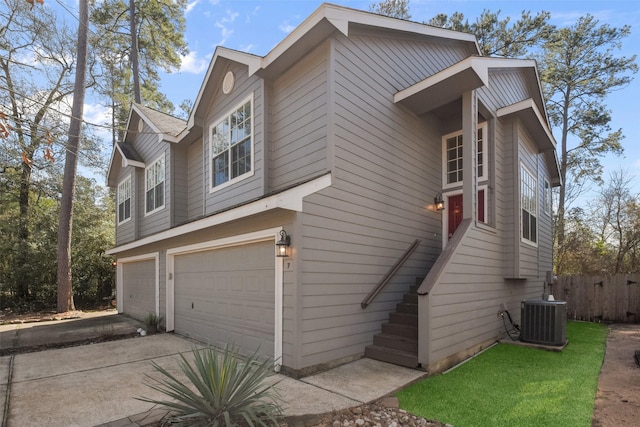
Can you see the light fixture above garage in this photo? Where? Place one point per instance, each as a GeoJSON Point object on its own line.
{"type": "Point", "coordinates": [282, 245]}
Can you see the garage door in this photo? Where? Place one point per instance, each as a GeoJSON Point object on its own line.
{"type": "Point", "coordinates": [227, 295]}
{"type": "Point", "coordinates": [139, 288]}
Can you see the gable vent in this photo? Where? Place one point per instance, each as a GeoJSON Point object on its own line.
{"type": "Point", "coordinates": [228, 83]}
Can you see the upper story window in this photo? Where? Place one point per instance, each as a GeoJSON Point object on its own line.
{"type": "Point", "coordinates": [231, 146]}
{"type": "Point", "coordinates": [547, 197]}
{"type": "Point", "coordinates": [453, 156]}
{"type": "Point", "coordinates": [154, 186]}
{"type": "Point", "coordinates": [529, 205]}
{"type": "Point", "coordinates": [124, 200]}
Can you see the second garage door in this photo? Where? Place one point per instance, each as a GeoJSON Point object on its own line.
{"type": "Point", "coordinates": [139, 288]}
{"type": "Point", "coordinates": [227, 295]}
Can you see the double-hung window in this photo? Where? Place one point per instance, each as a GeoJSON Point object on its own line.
{"type": "Point", "coordinates": [453, 157]}
{"type": "Point", "coordinates": [124, 200]}
{"type": "Point", "coordinates": [231, 146]}
{"type": "Point", "coordinates": [529, 205]}
{"type": "Point", "coordinates": [154, 186]}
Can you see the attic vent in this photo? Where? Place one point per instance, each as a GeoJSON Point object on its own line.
{"type": "Point", "coordinates": [140, 125]}
{"type": "Point", "coordinates": [228, 82]}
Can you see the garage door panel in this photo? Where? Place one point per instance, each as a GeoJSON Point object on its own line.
{"type": "Point", "coordinates": [227, 295]}
{"type": "Point", "coordinates": [139, 288]}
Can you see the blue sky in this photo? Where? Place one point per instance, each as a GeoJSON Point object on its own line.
{"type": "Point", "coordinates": [256, 26]}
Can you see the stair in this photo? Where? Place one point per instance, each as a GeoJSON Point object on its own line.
{"type": "Point", "coordinates": [398, 341]}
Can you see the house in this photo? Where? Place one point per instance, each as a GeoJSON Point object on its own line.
{"type": "Point", "coordinates": [339, 142]}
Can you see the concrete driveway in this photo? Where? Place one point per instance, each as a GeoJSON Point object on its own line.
{"type": "Point", "coordinates": [97, 384]}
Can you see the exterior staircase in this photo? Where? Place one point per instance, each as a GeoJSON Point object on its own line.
{"type": "Point", "coordinates": [398, 341]}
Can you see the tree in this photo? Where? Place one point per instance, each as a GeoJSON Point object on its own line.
{"type": "Point", "coordinates": [65, 294]}
{"type": "Point", "coordinates": [500, 37]}
{"type": "Point", "coordinates": [393, 8]}
{"type": "Point", "coordinates": [130, 74]}
{"type": "Point", "coordinates": [579, 69]}
{"type": "Point", "coordinates": [32, 96]}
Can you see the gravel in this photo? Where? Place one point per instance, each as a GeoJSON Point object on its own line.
{"type": "Point", "coordinates": [382, 413]}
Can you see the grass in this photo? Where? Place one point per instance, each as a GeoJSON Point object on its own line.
{"type": "Point", "coordinates": [516, 386]}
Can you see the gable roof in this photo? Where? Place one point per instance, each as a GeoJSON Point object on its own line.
{"type": "Point", "coordinates": [323, 22]}
{"type": "Point", "coordinates": [166, 126]}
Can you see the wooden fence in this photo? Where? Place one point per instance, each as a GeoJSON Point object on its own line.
{"type": "Point", "coordinates": [613, 299]}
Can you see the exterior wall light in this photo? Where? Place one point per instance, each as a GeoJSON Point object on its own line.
{"type": "Point", "coordinates": [439, 202]}
{"type": "Point", "coordinates": [283, 244]}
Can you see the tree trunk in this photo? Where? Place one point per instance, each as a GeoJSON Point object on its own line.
{"type": "Point", "coordinates": [65, 294]}
{"type": "Point", "coordinates": [135, 65]}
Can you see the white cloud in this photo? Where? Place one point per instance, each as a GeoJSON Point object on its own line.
{"type": "Point", "coordinates": [286, 28]}
{"type": "Point", "coordinates": [192, 64]}
{"type": "Point", "coordinates": [224, 25]}
{"type": "Point", "coordinates": [190, 6]}
{"type": "Point", "coordinates": [247, 48]}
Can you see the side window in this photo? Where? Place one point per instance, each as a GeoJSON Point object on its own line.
{"type": "Point", "coordinates": [124, 200]}
{"type": "Point", "coordinates": [453, 161]}
{"type": "Point", "coordinates": [231, 146]}
{"type": "Point", "coordinates": [529, 205]}
{"type": "Point", "coordinates": [547, 197]}
{"type": "Point", "coordinates": [154, 186]}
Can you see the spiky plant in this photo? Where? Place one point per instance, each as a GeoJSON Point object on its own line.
{"type": "Point", "coordinates": [222, 389]}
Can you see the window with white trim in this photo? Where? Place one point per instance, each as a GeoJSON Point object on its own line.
{"type": "Point", "coordinates": [528, 205]}
{"type": "Point", "coordinates": [154, 186]}
{"type": "Point", "coordinates": [547, 197]}
{"type": "Point", "coordinates": [231, 146]}
{"type": "Point", "coordinates": [453, 156]}
{"type": "Point", "coordinates": [124, 200]}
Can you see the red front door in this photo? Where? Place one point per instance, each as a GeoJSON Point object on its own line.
{"type": "Point", "coordinates": [455, 211]}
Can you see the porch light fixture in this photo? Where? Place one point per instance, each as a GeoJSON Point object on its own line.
{"type": "Point", "coordinates": [439, 202]}
{"type": "Point", "coordinates": [283, 244]}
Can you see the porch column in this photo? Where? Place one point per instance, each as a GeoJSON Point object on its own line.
{"type": "Point", "coordinates": [469, 154]}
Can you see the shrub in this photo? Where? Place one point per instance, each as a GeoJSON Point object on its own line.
{"type": "Point", "coordinates": [152, 322]}
{"type": "Point", "coordinates": [221, 389]}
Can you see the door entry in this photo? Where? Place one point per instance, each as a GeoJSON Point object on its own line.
{"type": "Point", "coordinates": [454, 208]}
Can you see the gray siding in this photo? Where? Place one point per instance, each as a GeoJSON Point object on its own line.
{"type": "Point", "coordinates": [251, 187]}
{"type": "Point", "coordinates": [505, 88]}
{"type": "Point", "coordinates": [299, 120]}
{"type": "Point", "coordinates": [386, 173]}
{"type": "Point", "coordinates": [196, 181]}
{"type": "Point", "coordinates": [179, 184]}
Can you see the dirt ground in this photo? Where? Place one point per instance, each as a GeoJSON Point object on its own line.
{"type": "Point", "coordinates": [618, 399]}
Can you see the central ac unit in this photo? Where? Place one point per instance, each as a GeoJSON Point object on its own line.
{"type": "Point", "coordinates": [543, 322]}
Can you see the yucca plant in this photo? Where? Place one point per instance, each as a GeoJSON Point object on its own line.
{"type": "Point", "coordinates": [222, 389]}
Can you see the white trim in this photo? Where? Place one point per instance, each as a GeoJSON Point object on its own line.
{"type": "Point", "coordinates": [124, 221]}
{"type": "Point", "coordinates": [245, 175]}
{"type": "Point", "coordinates": [164, 186]}
{"type": "Point", "coordinates": [291, 199]}
{"type": "Point", "coordinates": [243, 239]}
{"type": "Point", "coordinates": [457, 192]}
{"type": "Point", "coordinates": [120, 277]}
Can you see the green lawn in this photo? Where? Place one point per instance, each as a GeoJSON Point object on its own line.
{"type": "Point", "coordinates": [516, 386]}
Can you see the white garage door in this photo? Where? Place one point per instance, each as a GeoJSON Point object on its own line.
{"type": "Point", "coordinates": [227, 295]}
{"type": "Point", "coordinates": [139, 288]}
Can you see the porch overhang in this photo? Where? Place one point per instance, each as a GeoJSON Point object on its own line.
{"type": "Point", "coordinates": [291, 199]}
{"type": "Point", "coordinates": [444, 86]}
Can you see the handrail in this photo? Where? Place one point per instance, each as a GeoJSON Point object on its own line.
{"type": "Point", "coordinates": [387, 277]}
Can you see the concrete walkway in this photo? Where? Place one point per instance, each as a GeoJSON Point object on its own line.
{"type": "Point", "coordinates": [97, 384]}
